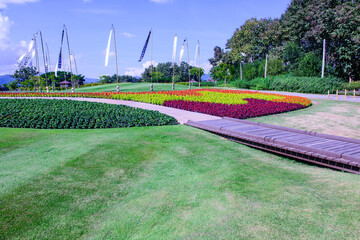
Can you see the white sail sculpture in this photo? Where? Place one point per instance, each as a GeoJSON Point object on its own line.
{"type": "Point", "coordinates": [107, 55]}
{"type": "Point", "coordinates": [60, 63]}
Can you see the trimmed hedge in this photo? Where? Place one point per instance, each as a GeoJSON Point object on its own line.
{"type": "Point", "coordinates": [295, 84]}
{"type": "Point", "coordinates": [67, 114]}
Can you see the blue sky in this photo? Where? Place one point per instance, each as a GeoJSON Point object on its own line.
{"type": "Point", "coordinates": [89, 22]}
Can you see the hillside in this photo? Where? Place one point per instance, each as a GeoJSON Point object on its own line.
{"type": "Point", "coordinates": [5, 79]}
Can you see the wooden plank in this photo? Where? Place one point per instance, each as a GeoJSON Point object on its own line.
{"type": "Point", "coordinates": [327, 150]}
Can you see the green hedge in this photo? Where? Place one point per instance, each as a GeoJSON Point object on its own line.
{"type": "Point", "coordinates": [294, 84]}
{"type": "Point", "coordinates": [67, 114]}
{"type": "Point", "coordinates": [353, 86]}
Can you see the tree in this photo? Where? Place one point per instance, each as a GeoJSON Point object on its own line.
{"type": "Point", "coordinates": [309, 66]}
{"type": "Point", "coordinates": [167, 71]}
{"type": "Point", "coordinates": [24, 73]}
{"type": "Point", "coordinates": [12, 85]}
{"type": "Point", "coordinates": [61, 76]}
{"type": "Point", "coordinates": [157, 76]}
{"type": "Point", "coordinates": [195, 72]}
{"type": "Point", "coordinates": [309, 22]}
{"type": "Point", "coordinates": [222, 71]}
{"type": "Point", "coordinates": [253, 40]}
{"type": "Point", "coordinates": [105, 79]}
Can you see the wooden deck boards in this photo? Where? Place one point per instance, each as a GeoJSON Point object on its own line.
{"type": "Point", "coordinates": [332, 151]}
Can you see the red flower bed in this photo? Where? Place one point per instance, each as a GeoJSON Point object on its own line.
{"type": "Point", "coordinates": [254, 108]}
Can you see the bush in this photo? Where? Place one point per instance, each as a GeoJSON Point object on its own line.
{"type": "Point", "coordinates": [244, 84]}
{"type": "Point", "coordinates": [352, 86]}
{"type": "Point", "coordinates": [62, 114]}
{"type": "Point", "coordinates": [297, 84]}
{"type": "Point", "coordinates": [309, 66]}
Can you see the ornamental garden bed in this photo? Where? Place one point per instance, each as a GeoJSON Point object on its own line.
{"type": "Point", "coordinates": [67, 114]}
{"type": "Point", "coordinates": [222, 103]}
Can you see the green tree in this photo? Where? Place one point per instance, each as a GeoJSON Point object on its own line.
{"type": "Point", "coordinates": [157, 76]}
{"type": "Point", "coordinates": [24, 73]}
{"type": "Point", "coordinates": [309, 66]}
{"type": "Point", "coordinates": [196, 72]}
{"type": "Point", "coordinates": [167, 71]}
{"type": "Point", "coordinates": [309, 22]}
{"type": "Point", "coordinates": [222, 71]}
{"type": "Point", "coordinates": [12, 85]}
{"type": "Point", "coordinates": [253, 40]}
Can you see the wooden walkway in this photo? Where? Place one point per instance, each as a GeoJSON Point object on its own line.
{"type": "Point", "coordinates": [331, 151]}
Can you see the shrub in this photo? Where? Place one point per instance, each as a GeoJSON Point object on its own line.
{"type": "Point", "coordinates": [244, 84]}
{"type": "Point", "coordinates": [352, 86]}
{"type": "Point", "coordinates": [298, 84]}
{"type": "Point", "coordinates": [309, 66]}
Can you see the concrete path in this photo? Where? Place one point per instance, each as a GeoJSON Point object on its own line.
{"type": "Point", "coordinates": [181, 115]}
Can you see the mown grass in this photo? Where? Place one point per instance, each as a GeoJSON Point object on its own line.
{"type": "Point", "coordinates": [130, 87]}
{"type": "Point", "coordinates": [339, 118]}
{"type": "Point", "coordinates": [166, 182]}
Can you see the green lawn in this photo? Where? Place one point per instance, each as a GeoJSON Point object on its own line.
{"type": "Point", "coordinates": [130, 87]}
{"type": "Point", "coordinates": [326, 116]}
{"type": "Point", "coordinates": [171, 182]}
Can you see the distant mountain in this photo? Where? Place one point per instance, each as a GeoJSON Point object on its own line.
{"type": "Point", "coordinates": [91, 80]}
{"type": "Point", "coordinates": [5, 79]}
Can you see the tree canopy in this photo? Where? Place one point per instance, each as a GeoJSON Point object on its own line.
{"type": "Point", "coordinates": [299, 32]}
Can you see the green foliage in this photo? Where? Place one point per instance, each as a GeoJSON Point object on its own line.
{"type": "Point", "coordinates": [275, 66]}
{"type": "Point", "coordinates": [181, 72]}
{"type": "Point", "coordinates": [223, 71]}
{"type": "Point", "coordinates": [12, 85]}
{"type": "Point", "coordinates": [243, 84]}
{"type": "Point", "coordinates": [62, 114]}
{"type": "Point", "coordinates": [297, 84]}
{"type": "Point", "coordinates": [157, 76]}
{"type": "Point", "coordinates": [24, 73]}
{"type": "Point", "coordinates": [353, 86]}
{"type": "Point", "coordinates": [292, 54]}
{"type": "Point", "coordinates": [309, 66]}
{"type": "Point", "coordinates": [301, 30]}
{"type": "Point", "coordinates": [253, 40]}
{"type": "Point", "coordinates": [62, 76]}
{"type": "Point", "coordinates": [196, 73]}
{"type": "Point", "coordinates": [309, 22]}
{"type": "Point", "coordinates": [122, 78]}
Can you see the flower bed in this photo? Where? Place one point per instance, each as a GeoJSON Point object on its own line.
{"type": "Point", "coordinates": [63, 114]}
{"type": "Point", "coordinates": [230, 103]}
{"type": "Point", "coordinates": [254, 108]}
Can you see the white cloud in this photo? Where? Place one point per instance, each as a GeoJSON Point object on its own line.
{"type": "Point", "coordinates": [128, 35]}
{"type": "Point", "coordinates": [4, 3]}
{"type": "Point", "coordinates": [136, 72]}
{"type": "Point", "coordinates": [87, 1]}
{"type": "Point", "coordinates": [9, 51]}
{"type": "Point", "coordinates": [5, 25]}
{"type": "Point", "coordinates": [161, 1]}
